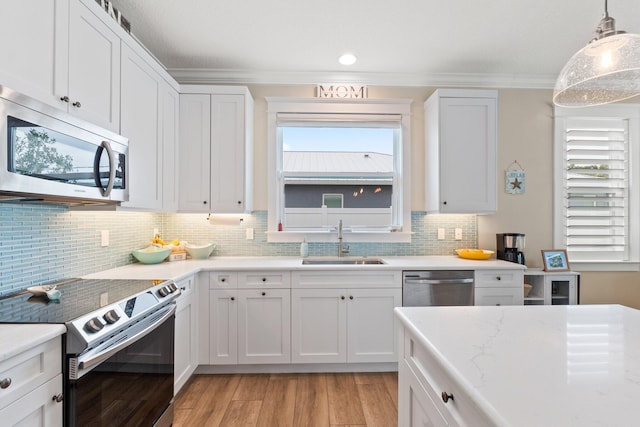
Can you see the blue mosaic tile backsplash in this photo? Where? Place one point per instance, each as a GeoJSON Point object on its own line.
{"type": "Point", "coordinates": [40, 244]}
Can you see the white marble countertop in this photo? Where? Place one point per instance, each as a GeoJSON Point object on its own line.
{"type": "Point", "coordinates": [16, 339]}
{"type": "Point", "coordinates": [178, 269]}
{"type": "Point", "coordinates": [539, 365]}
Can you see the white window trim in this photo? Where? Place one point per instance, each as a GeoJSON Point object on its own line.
{"type": "Point", "coordinates": [278, 105]}
{"type": "Point", "coordinates": [631, 112]}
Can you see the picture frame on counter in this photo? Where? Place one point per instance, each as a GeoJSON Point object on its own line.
{"type": "Point", "coordinates": [555, 260]}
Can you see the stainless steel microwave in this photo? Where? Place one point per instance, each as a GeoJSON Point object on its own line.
{"type": "Point", "coordinates": [47, 154]}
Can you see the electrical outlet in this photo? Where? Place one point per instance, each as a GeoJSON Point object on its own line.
{"type": "Point", "coordinates": [104, 238]}
{"type": "Point", "coordinates": [249, 233]}
{"type": "Point", "coordinates": [458, 234]}
{"type": "Point", "coordinates": [440, 233]}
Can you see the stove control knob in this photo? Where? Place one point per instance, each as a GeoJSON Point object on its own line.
{"type": "Point", "coordinates": [163, 292]}
{"type": "Point", "coordinates": [173, 287]}
{"type": "Point", "coordinates": [111, 317]}
{"type": "Point", "coordinates": [93, 325]}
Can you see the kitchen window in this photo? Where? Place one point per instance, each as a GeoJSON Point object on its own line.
{"type": "Point", "coordinates": [597, 203]}
{"type": "Point", "coordinates": [339, 160]}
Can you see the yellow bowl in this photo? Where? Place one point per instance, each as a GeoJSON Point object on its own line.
{"type": "Point", "coordinates": [474, 253]}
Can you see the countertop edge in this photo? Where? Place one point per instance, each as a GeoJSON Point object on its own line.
{"type": "Point", "coordinates": [18, 338]}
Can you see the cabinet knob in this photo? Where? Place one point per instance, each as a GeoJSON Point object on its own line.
{"type": "Point", "coordinates": [239, 202]}
{"type": "Point", "coordinates": [350, 296]}
{"type": "Point", "coordinates": [444, 203]}
{"type": "Point", "coordinates": [446, 396]}
{"type": "Point", "coordinates": [264, 293]}
{"type": "Point", "coordinates": [233, 298]}
{"type": "Point", "coordinates": [264, 279]}
{"type": "Point", "coordinates": [57, 398]}
{"type": "Point", "coordinates": [498, 278]}
{"type": "Point", "coordinates": [64, 98]}
{"type": "Point", "coordinates": [342, 297]}
{"type": "Point", "coordinates": [5, 383]}
{"type": "Point", "coordinates": [77, 104]}
{"type": "Point", "coordinates": [204, 202]}
{"type": "Point", "coordinates": [223, 280]}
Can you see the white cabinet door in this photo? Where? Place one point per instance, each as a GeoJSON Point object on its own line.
{"type": "Point", "coordinates": [186, 333]}
{"type": "Point", "coordinates": [264, 326]}
{"type": "Point", "coordinates": [415, 407]}
{"type": "Point", "coordinates": [223, 327]}
{"type": "Point", "coordinates": [169, 129]}
{"type": "Point", "coordinates": [91, 78]}
{"type": "Point", "coordinates": [33, 26]}
{"type": "Point", "coordinates": [461, 138]}
{"type": "Point", "coordinates": [36, 408]}
{"type": "Point", "coordinates": [228, 154]}
{"type": "Point", "coordinates": [195, 153]}
{"type": "Point", "coordinates": [140, 100]}
{"type": "Point", "coordinates": [318, 326]}
{"type": "Point", "coordinates": [371, 327]}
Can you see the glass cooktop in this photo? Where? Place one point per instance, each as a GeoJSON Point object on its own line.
{"type": "Point", "coordinates": [77, 298]}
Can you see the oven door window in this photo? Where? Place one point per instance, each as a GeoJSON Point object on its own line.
{"type": "Point", "coordinates": [44, 153]}
{"type": "Point", "coordinates": [132, 387]}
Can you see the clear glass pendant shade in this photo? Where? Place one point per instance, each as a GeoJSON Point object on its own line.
{"type": "Point", "coordinates": [606, 70]}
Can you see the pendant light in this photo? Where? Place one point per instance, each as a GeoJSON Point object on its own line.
{"type": "Point", "coordinates": [605, 70]}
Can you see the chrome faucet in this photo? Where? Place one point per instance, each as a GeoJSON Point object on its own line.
{"type": "Point", "coordinates": [342, 249]}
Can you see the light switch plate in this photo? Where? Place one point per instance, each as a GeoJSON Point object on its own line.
{"type": "Point", "coordinates": [440, 233]}
{"type": "Point", "coordinates": [458, 234]}
{"type": "Point", "coordinates": [104, 238]}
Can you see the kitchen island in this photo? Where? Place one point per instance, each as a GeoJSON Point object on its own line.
{"type": "Point", "coordinates": [519, 366]}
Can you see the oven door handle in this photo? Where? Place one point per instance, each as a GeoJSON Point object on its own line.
{"type": "Point", "coordinates": [101, 356]}
{"type": "Point", "coordinates": [436, 281]}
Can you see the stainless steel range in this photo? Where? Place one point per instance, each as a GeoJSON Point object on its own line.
{"type": "Point", "coordinates": [118, 349]}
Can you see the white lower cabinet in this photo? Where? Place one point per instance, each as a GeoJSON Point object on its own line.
{"type": "Point", "coordinates": [33, 392]}
{"type": "Point", "coordinates": [186, 333]}
{"type": "Point", "coordinates": [344, 325]}
{"type": "Point", "coordinates": [498, 287]}
{"type": "Point", "coordinates": [249, 326]}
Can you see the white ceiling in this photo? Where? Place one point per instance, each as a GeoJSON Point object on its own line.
{"type": "Point", "coordinates": [499, 43]}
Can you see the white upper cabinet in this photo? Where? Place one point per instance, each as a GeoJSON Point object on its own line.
{"type": "Point", "coordinates": [216, 153]}
{"type": "Point", "coordinates": [61, 53]}
{"type": "Point", "coordinates": [461, 150]}
{"type": "Point", "coordinates": [140, 123]}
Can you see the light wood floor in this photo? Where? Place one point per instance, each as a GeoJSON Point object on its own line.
{"type": "Point", "coordinates": [296, 400]}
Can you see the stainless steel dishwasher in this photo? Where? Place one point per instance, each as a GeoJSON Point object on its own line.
{"type": "Point", "coordinates": [437, 288]}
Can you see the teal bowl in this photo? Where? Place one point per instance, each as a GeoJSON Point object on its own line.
{"type": "Point", "coordinates": [151, 255]}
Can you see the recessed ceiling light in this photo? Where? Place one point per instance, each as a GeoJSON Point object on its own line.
{"type": "Point", "coordinates": [347, 59]}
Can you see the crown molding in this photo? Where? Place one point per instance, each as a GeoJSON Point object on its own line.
{"type": "Point", "coordinates": [243, 77]}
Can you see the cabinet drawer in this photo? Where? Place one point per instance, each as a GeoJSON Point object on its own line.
{"type": "Point", "coordinates": [264, 279]}
{"type": "Point", "coordinates": [36, 408]}
{"type": "Point", "coordinates": [498, 296]}
{"type": "Point", "coordinates": [29, 370]}
{"type": "Point", "coordinates": [493, 278]}
{"type": "Point", "coordinates": [459, 411]}
{"type": "Point", "coordinates": [223, 280]}
{"type": "Point", "coordinates": [346, 279]}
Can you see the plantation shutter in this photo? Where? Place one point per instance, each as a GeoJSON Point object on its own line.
{"type": "Point", "coordinates": [596, 188]}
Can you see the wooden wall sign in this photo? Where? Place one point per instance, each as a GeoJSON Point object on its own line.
{"type": "Point", "coordinates": [342, 91]}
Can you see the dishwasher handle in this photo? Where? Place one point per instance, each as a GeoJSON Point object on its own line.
{"type": "Point", "coordinates": [419, 281]}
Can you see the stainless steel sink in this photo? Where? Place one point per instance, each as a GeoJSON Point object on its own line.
{"type": "Point", "coordinates": [342, 261]}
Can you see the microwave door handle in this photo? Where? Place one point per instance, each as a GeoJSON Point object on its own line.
{"type": "Point", "coordinates": [112, 168]}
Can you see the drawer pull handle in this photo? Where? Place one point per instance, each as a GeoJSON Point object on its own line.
{"type": "Point", "coordinates": [64, 99]}
{"type": "Point", "coordinates": [77, 104]}
{"type": "Point", "coordinates": [446, 396]}
{"type": "Point", "coordinates": [57, 398]}
{"type": "Point", "coordinates": [5, 383]}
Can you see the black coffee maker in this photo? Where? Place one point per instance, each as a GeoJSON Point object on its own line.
{"type": "Point", "coordinates": [510, 247]}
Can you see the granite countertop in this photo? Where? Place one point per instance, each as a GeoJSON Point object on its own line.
{"type": "Point", "coordinates": [539, 365]}
{"type": "Point", "coordinates": [179, 269]}
{"type": "Point", "coordinates": [17, 339]}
